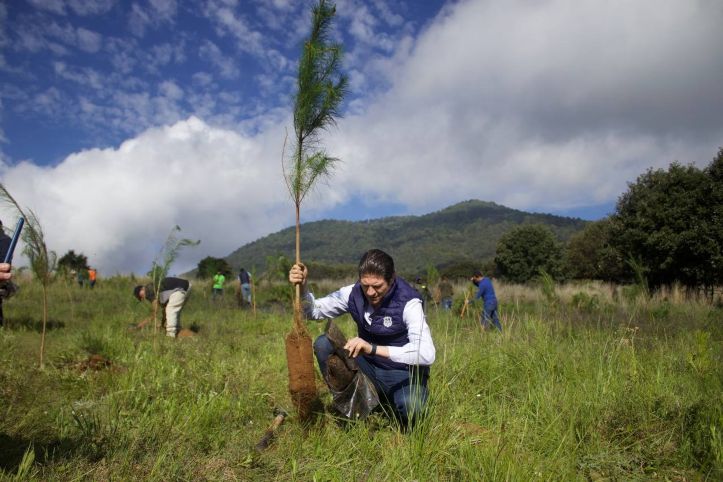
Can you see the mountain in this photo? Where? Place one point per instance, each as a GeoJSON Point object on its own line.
{"type": "Point", "coordinates": [464, 232]}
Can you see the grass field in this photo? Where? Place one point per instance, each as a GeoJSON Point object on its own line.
{"type": "Point", "coordinates": [588, 384]}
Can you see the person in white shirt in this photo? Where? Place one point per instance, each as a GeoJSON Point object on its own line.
{"type": "Point", "coordinates": [393, 346]}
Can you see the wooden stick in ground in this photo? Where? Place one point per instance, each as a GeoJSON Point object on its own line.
{"type": "Point", "coordinates": [466, 302]}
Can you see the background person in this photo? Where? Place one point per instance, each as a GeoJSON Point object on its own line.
{"type": "Point", "coordinates": [393, 346]}
{"type": "Point", "coordinates": [218, 281]}
{"type": "Point", "coordinates": [487, 292]}
{"type": "Point", "coordinates": [446, 293]}
{"type": "Point", "coordinates": [244, 278]}
{"type": "Point", "coordinates": [92, 274]}
{"type": "Point", "coordinates": [172, 297]}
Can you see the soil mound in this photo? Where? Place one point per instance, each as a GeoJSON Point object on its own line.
{"type": "Point", "coordinates": [186, 333]}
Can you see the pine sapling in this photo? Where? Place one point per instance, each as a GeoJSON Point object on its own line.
{"type": "Point", "coordinates": [321, 88]}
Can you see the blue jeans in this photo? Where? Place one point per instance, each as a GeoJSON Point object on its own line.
{"type": "Point", "coordinates": [404, 390]}
{"type": "Point", "coordinates": [246, 292]}
{"type": "Point", "coordinates": [490, 314]}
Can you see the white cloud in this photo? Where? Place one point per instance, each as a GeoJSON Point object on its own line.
{"type": "Point", "coordinates": [389, 17]}
{"type": "Point", "coordinates": [53, 6]}
{"type": "Point", "coordinates": [48, 102]}
{"type": "Point", "coordinates": [171, 90]}
{"type": "Point", "coordinates": [202, 79]}
{"type": "Point", "coordinates": [165, 9]}
{"type": "Point", "coordinates": [117, 205]}
{"type": "Point", "coordinates": [157, 12]}
{"type": "Point", "coordinates": [228, 23]}
{"type": "Point", "coordinates": [88, 40]}
{"type": "Point", "coordinates": [226, 66]}
{"type": "Point", "coordinates": [539, 105]}
{"type": "Point", "coordinates": [166, 53]}
{"type": "Point", "coordinates": [35, 35]}
{"type": "Point", "coordinates": [86, 77]}
{"type": "Point", "coordinates": [90, 7]}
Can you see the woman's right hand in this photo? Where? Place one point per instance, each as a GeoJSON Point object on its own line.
{"type": "Point", "coordinates": [297, 274]}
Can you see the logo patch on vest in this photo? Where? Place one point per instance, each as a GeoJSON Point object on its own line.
{"type": "Point", "coordinates": [387, 321]}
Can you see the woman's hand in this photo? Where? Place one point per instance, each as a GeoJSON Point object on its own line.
{"type": "Point", "coordinates": [298, 274]}
{"type": "Point", "coordinates": [357, 346]}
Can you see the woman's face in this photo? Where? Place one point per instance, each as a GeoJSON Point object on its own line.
{"type": "Point", "coordinates": [374, 288]}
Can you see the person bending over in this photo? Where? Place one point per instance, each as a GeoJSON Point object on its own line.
{"type": "Point", "coordinates": [172, 297]}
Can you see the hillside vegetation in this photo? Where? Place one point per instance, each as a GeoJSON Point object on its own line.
{"type": "Point", "coordinates": [467, 231]}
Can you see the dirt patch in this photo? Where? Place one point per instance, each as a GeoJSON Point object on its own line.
{"type": "Point", "coordinates": [475, 434]}
{"type": "Point", "coordinates": [186, 333]}
{"type": "Point", "coordinates": [94, 363]}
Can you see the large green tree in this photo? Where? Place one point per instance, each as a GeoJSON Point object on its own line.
{"type": "Point", "coordinates": [670, 220]}
{"type": "Point", "coordinates": [526, 250]}
{"type": "Point", "coordinates": [72, 261]}
{"type": "Point", "coordinates": [714, 224]}
{"type": "Point", "coordinates": [209, 266]}
{"type": "Point", "coordinates": [590, 254]}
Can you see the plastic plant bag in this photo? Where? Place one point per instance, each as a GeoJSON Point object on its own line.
{"type": "Point", "coordinates": [353, 393]}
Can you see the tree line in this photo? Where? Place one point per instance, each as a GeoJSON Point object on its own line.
{"type": "Point", "coordinates": [668, 225]}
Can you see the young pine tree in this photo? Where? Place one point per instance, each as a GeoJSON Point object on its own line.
{"type": "Point", "coordinates": [321, 88]}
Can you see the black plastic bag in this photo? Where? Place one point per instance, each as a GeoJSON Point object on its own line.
{"type": "Point", "coordinates": [354, 399]}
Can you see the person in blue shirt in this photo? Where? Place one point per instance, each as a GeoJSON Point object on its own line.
{"type": "Point", "coordinates": [487, 292]}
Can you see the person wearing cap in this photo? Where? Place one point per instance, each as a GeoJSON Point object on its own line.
{"type": "Point", "coordinates": [487, 292]}
{"type": "Point", "coordinates": [173, 294]}
{"type": "Point", "coordinates": [393, 346]}
{"type": "Point", "coordinates": [5, 273]}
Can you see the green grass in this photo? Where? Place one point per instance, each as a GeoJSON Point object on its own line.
{"type": "Point", "coordinates": [580, 390]}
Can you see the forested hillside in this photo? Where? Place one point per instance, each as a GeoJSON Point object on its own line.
{"type": "Point", "coordinates": [464, 232]}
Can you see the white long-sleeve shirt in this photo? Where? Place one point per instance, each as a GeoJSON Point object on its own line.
{"type": "Point", "coordinates": [420, 349]}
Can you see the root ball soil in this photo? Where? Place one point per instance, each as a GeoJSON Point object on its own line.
{"type": "Point", "coordinates": [302, 383]}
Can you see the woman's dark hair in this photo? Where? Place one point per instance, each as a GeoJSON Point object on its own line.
{"type": "Point", "coordinates": [377, 262]}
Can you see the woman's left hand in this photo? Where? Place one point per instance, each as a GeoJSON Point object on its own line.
{"type": "Point", "coordinates": [357, 346]}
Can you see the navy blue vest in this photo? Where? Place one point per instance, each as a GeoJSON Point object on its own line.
{"type": "Point", "coordinates": [387, 328]}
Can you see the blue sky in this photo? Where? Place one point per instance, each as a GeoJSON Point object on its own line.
{"type": "Point", "coordinates": [121, 119]}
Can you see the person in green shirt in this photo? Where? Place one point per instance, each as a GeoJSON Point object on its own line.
{"type": "Point", "coordinates": [218, 280]}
